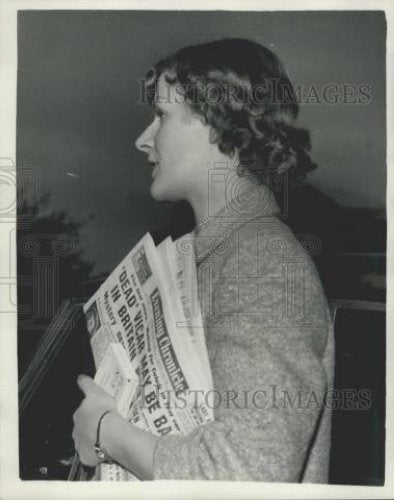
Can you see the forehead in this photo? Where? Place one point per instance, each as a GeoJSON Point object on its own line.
{"type": "Point", "coordinates": [167, 93]}
{"type": "Point", "coordinates": [172, 98]}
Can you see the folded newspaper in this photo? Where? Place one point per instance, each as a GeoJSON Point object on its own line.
{"type": "Point", "coordinates": [148, 342]}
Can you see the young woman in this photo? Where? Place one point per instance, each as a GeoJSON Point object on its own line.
{"type": "Point", "coordinates": [223, 139]}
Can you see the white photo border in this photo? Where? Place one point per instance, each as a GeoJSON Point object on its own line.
{"type": "Point", "coordinates": [11, 487]}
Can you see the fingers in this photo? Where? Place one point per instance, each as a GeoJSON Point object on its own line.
{"type": "Point", "coordinates": [86, 384]}
{"type": "Point", "coordinates": [84, 449]}
{"type": "Point", "coordinates": [86, 458]}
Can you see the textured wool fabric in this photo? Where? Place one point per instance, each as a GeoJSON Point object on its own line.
{"type": "Point", "coordinates": [270, 343]}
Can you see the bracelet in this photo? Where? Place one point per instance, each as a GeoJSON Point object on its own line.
{"type": "Point", "coordinates": [99, 448]}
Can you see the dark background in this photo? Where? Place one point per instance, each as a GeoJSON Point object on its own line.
{"type": "Point", "coordinates": [78, 108]}
{"type": "Point", "coordinates": [79, 113]}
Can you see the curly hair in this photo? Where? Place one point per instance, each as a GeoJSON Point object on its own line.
{"type": "Point", "coordinates": [241, 89]}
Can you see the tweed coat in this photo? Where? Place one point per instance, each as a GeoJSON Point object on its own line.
{"type": "Point", "coordinates": [270, 344]}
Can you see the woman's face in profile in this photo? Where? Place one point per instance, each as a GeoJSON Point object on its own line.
{"type": "Point", "coordinates": [178, 146]}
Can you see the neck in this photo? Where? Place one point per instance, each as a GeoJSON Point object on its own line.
{"type": "Point", "coordinates": [207, 204]}
{"type": "Point", "coordinates": [203, 209]}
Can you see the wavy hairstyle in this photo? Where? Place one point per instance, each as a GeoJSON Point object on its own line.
{"type": "Point", "coordinates": [241, 89]}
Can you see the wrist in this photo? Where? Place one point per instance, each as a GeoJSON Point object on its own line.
{"type": "Point", "coordinates": [100, 447]}
{"type": "Point", "coordinates": [109, 426]}
{"type": "Point", "coordinates": [129, 446]}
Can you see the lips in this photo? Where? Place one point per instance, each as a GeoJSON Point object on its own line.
{"type": "Point", "coordinates": [154, 166]}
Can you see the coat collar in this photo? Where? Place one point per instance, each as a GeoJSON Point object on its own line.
{"type": "Point", "coordinates": [256, 204]}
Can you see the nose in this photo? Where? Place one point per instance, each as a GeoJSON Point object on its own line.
{"type": "Point", "coordinates": [145, 141]}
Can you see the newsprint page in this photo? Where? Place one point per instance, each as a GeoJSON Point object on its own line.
{"type": "Point", "coordinates": [195, 204]}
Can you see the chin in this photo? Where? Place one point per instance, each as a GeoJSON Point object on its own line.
{"type": "Point", "coordinates": [161, 194]}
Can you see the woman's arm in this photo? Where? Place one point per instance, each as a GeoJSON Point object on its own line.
{"type": "Point", "coordinates": [260, 431]}
{"type": "Point", "coordinates": [128, 445]}
{"type": "Point", "coordinates": [125, 443]}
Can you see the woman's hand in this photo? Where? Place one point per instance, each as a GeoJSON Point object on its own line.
{"type": "Point", "coordinates": [86, 418]}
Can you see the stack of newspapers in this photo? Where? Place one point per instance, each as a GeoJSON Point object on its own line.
{"type": "Point", "coordinates": [148, 342]}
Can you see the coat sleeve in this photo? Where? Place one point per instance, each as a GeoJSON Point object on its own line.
{"type": "Point", "coordinates": [269, 385]}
